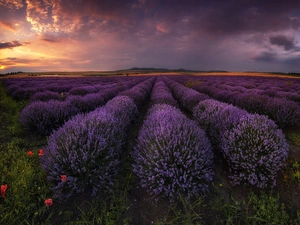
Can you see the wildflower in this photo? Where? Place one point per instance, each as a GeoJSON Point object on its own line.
{"type": "Point", "coordinates": [3, 190]}
{"type": "Point", "coordinates": [29, 153]}
{"type": "Point", "coordinates": [41, 152]}
{"type": "Point", "coordinates": [63, 178]}
{"type": "Point", "coordinates": [48, 202]}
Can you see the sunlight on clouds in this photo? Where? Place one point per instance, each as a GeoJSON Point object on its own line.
{"type": "Point", "coordinates": [12, 4]}
{"type": "Point", "coordinates": [7, 26]}
{"type": "Point", "coordinates": [2, 67]}
{"type": "Point", "coordinates": [163, 28]}
{"type": "Point", "coordinates": [23, 52]}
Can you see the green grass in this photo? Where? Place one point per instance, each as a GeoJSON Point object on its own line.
{"type": "Point", "coordinates": [295, 138]}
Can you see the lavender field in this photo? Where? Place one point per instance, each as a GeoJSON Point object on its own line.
{"type": "Point", "coordinates": [176, 149]}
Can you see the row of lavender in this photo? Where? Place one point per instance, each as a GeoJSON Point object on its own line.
{"type": "Point", "coordinates": [44, 117]}
{"type": "Point", "coordinates": [172, 156]}
{"type": "Point", "coordinates": [57, 88]}
{"type": "Point", "coordinates": [271, 86]}
{"type": "Point", "coordinates": [252, 145]}
{"type": "Point", "coordinates": [284, 111]}
{"type": "Point", "coordinates": [84, 155]}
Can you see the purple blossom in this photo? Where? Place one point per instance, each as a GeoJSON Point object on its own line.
{"type": "Point", "coordinates": [140, 92]}
{"type": "Point", "coordinates": [205, 112]}
{"type": "Point", "coordinates": [255, 150]}
{"type": "Point", "coordinates": [224, 120]}
{"type": "Point", "coordinates": [187, 97]}
{"type": "Point", "coordinates": [87, 149]}
{"type": "Point", "coordinates": [172, 156]}
{"type": "Point", "coordinates": [45, 96]}
{"type": "Point", "coordinates": [44, 117]}
{"type": "Point", "coordinates": [161, 94]}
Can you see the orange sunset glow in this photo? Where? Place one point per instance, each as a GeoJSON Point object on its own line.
{"type": "Point", "coordinates": [54, 35]}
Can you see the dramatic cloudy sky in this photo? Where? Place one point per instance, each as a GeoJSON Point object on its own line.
{"type": "Point", "coordinates": [66, 35]}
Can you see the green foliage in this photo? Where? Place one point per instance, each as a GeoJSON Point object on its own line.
{"type": "Point", "coordinates": [295, 172]}
{"type": "Point", "coordinates": [269, 208]}
{"type": "Point", "coordinates": [27, 186]}
{"type": "Point", "coordinates": [112, 209]}
{"type": "Point", "coordinates": [292, 172]}
{"type": "Point", "coordinates": [185, 211]}
{"type": "Point", "coordinates": [295, 138]}
{"type": "Point", "coordinates": [11, 111]}
{"type": "Point", "coordinates": [26, 181]}
{"type": "Point", "coordinates": [227, 211]}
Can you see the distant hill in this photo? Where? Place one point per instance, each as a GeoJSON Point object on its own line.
{"type": "Point", "coordinates": [159, 69]}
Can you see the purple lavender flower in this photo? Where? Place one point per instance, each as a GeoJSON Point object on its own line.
{"type": "Point", "coordinates": [255, 150]}
{"type": "Point", "coordinates": [161, 94]}
{"type": "Point", "coordinates": [224, 120]}
{"type": "Point", "coordinates": [187, 97]}
{"type": "Point", "coordinates": [45, 96]}
{"type": "Point", "coordinates": [87, 149]}
{"type": "Point", "coordinates": [205, 112]}
{"type": "Point", "coordinates": [140, 92]}
{"type": "Point", "coordinates": [172, 156]}
{"type": "Point", "coordinates": [44, 117]}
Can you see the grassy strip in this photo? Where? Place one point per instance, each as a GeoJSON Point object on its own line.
{"type": "Point", "coordinates": [27, 187]}
{"type": "Point", "coordinates": [10, 112]}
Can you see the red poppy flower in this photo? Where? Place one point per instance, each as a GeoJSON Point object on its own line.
{"type": "Point", "coordinates": [3, 190]}
{"type": "Point", "coordinates": [48, 202]}
{"type": "Point", "coordinates": [29, 153]}
{"type": "Point", "coordinates": [41, 152]}
{"type": "Point", "coordinates": [63, 178]}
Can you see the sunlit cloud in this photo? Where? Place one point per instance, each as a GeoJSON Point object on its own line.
{"type": "Point", "coordinates": [12, 4]}
{"type": "Point", "coordinates": [7, 25]}
{"type": "Point", "coordinates": [99, 35]}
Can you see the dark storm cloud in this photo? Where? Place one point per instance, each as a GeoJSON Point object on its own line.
{"type": "Point", "coordinates": [84, 17]}
{"type": "Point", "coordinates": [293, 61]}
{"type": "Point", "coordinates": [11, 44]}
{"type": "Point", "coordinates": [265, 57]}
{"type": "Point", "coordinates": [229, 17]}
{"type": "Point", "coordinates": [280, 40]}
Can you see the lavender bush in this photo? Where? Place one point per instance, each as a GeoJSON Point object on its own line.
{"type": "Point", "coordinates": [163, 107]}
{"type": "Point", "coordinates": [173, 156]}
{"type": "Point", "coordinates": [87, 149]}
{"type": "Point", "coordinates": [255, 150]}
{"type": "Point", "coordinates": [205, 112]}
{"type": "Point", "coordinates": [161, 94]}
{"type": "Point", "coordinates": [187, 97]}
{"type": "Point", "coordinates": [46, 96]}
{"type": "Point", "coordinates": [44, 117]}
{"type": "Point", "coordinates": [83, 90]}
{"type": "Point", "coordinates": [124, 109]}
{"type": "Point", "coordinates": [224, 120]}
{"type": "Point", "coordinates": [284, 112]}
{"type": "Point", "coordinates": [140, 92]}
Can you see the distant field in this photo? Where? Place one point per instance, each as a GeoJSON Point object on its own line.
{"type": "Point", "coordinates": [141, 73]}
